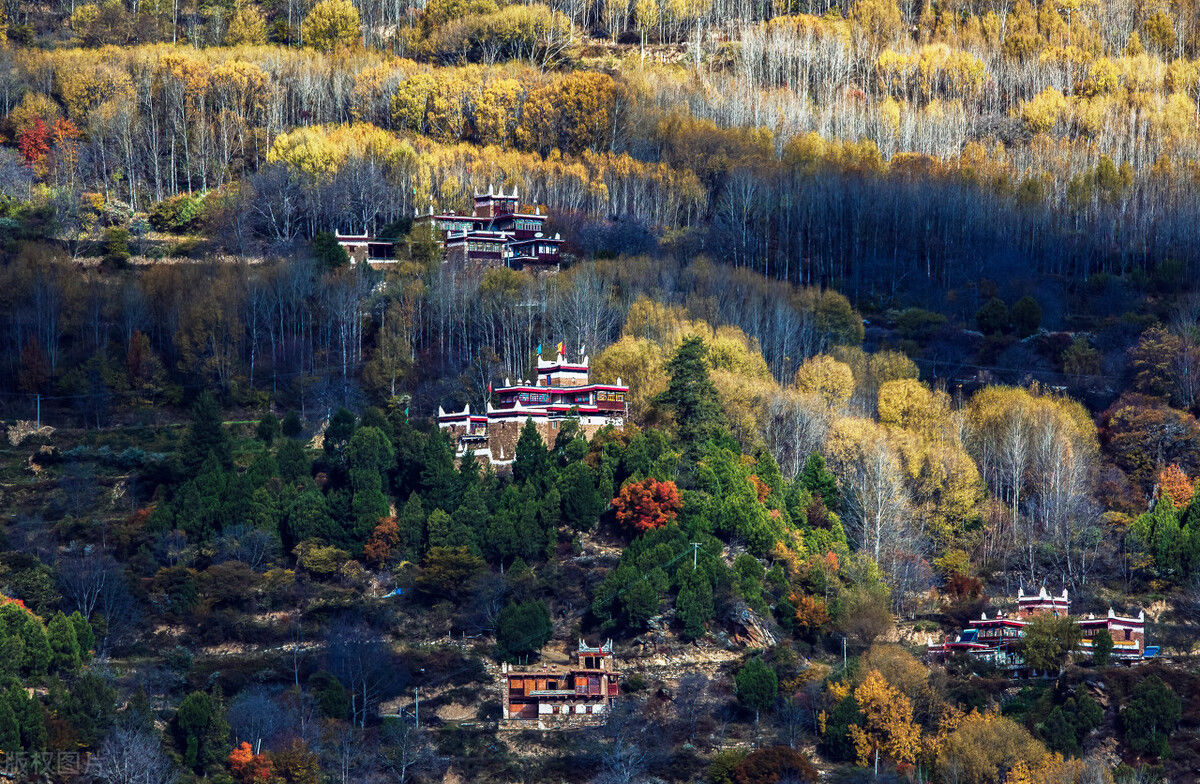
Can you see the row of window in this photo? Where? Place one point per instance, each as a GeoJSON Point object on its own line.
{"type": "Point", "coordinates": [484, 247]}
{"type": "Point", "coordinates": [546, 250]}
{"type": "Point", "coordinates": [610, 397]}
{"type": "Point", "coordinates": [525, 224]}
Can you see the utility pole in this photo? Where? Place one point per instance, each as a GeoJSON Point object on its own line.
{"type": "Point", "coordinates": [39, 409]}
{"type": "Point", "coordinates": [843, 651]}
{"type": "Point", "coordinates": [417, 706]}
{"type": "Point", "coordinates": [695, 552]}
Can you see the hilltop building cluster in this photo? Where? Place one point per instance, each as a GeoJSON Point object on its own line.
{"type": "Point", "coordinates": [562, 389]}
{"type": "Point", "coordinates": [499, 232]}
{"type": "Point", "coordinates": [995, 639]}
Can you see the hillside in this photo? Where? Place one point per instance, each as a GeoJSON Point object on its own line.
{"type": "Point", "coordinates": [737, 392]}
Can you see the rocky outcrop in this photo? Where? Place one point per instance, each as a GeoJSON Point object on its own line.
{"type": "Point", "coordinates": [753, 631]}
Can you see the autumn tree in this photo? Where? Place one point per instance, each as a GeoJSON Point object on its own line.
{"type": "Point", "coordinates": [888, 728]}
{"type": "Point", "coordinates": [1173, 482]}
{"type": "Point", "coordinates": [248, 767]}
{"type": "Point", "coordinates": [575, 112]}
{"type": "Point", "coordinates": [383, 542]}
{"type": "Point", "coordinates": [833, 381]}
{"type": "Point", "coordinates": [331, 24]}
{"type": "Point", "coordinates": [775, 764]}
{"type": "Point", "coordinates": [984, 747]}
{"type": "Point", "coordinates": [647, 504]}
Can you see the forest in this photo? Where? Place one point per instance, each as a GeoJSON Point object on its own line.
{"type": "Point", "coordinates": [902, 293]}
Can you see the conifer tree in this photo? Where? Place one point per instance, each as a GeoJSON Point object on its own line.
{"type": "Point", "coordinates": [410, 526]}
{"type": "Point", "coordinates": [37, 647]}
{"type": "Point", "coordinates": [64, 645]}
{"type": "Point", "coordinates": [581, 504]}
{"type": "Point", "coordinates": [10, 731]}
{"type": "Point", "coordinates": [292, 461]}
{"type": "Point", "coordinates": [368, 457]}
{"type": "Point", "coordinates": [691, 396]}
{"type": "Point", "coordinates": [206, 437]}
{"type": "Point", "coordinates": [694, 605]}
{"type": "Point", "coordinates": [757, 686]}
{"type": "Point", "coordinates": [522, 629]}
{"type": "Point", "coordinates": [84, 634]}
{"type": "Point", "coordinates": [816, 479]}
{"type": "Point", "coordinates": [469, 520]}
{"type": "Point", "coordinates": [532, 462]}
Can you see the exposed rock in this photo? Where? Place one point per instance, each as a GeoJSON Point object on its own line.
{"type": "Point", "coordinates": [757, 634]}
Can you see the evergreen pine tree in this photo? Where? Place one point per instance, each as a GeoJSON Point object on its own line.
{"type": "Point", "coordinates": [267, 428]}
{"type": "Point", "coordinates": [694, 605]}
{"type": "Point", "coordinates": [411, 526]}
{"type": "Point", "coordinates": [88, 706]}
{"type": "Point", "coordinates": [757, 686]}
{"type": "Point", "coordinates": [292, 461]}
{"type": "Point", "coordinates": [1102, 645]}
{"type": "Point", "coordinates": [522, 630]}
{"type": "Point", "coordinates": [10, 731]}
{"type": "Point", "coordinates": [206, 436]}
{"type": "Point", "coordinates": [325, 249]}
{"type": "Point", "coordinates": [201, 726]}
{"type": "Point", "coordinates": [338, 433]}
{"type": "Point", "coordinates": [549, 517]}
{"type": "Point", "coordinates": [532, 463]}
{"type": "Point", "coordinates": [692, 397]}
{"type": "Point", "coordinates": [30, 717]}
{"type": "Point", "coordinates": [816, 479]}
{"type": "Point", "coordinates": [12, 654]}
{"type": "Point", "coordinates": [37, 647]}
{"type": "Point", "coordinates": [439, 526]}
{"type": "Point", "coordinates": [369, 457]}
{"type": "Point", "coordinates": [581, 503]}
{"type": "Point", "coordinates": [309, 518]}
{"type": "Point", "coordinates": [438, 478]}
{"type": "Point", "coordinates": [64, 645]}
{"type": "Point", "coordinates": [291, 426]}
{"type": "Point", "coordinates": [470, 519]}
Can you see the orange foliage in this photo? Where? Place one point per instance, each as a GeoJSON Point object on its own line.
{"type": "Point", "coordinates": [1173, 480]}
{"type": "Point", "coordinates": [247, 766]}
{"type": "Point", "coordinates": [760, 487]}
{"type": "Point", "coordinates": [9, 600]}
{"type": "Point", "coordinates": [647, 504]}
{"type": "Point", "coordinates": [811, 613]}
{"type": "Point", "coordinates": [383, 540]}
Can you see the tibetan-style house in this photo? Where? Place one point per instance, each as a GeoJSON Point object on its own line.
{"type": "Point", "coordinates": [995, 639]}
{"type": "Point", "coordinates": [562, 390]}
{"type": "Point", "coordinates": [498, 232]}
{"type": "Point", "coordinates": [586, 686]}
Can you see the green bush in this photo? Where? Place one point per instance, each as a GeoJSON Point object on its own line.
{"type": "Point", "coordinates": [179, 214]}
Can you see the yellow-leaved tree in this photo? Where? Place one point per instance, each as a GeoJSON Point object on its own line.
{"type": "Point", "coordinates": [888, 729]}
{"type": "Point", "coordinates": [247, 27]}
{"type": "Point", "coordinates": [825, 376]}
{"type": "Point", "coordinates": [983, 747]}
{"type": "Point", "coordinates": [331, 24]}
